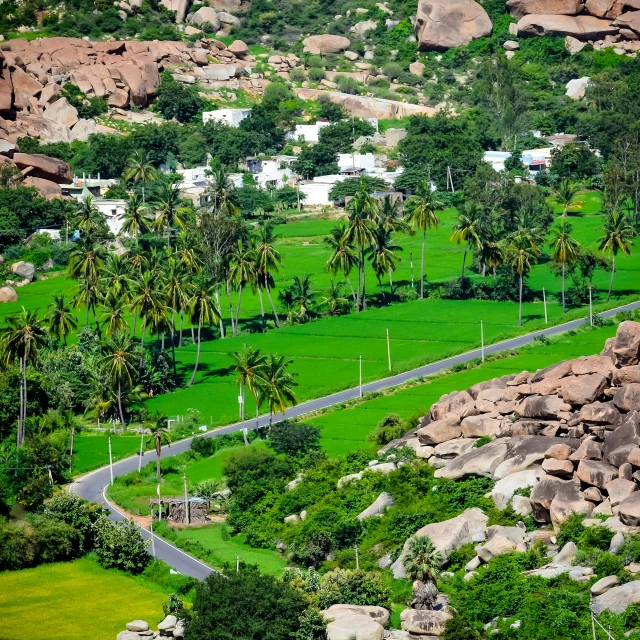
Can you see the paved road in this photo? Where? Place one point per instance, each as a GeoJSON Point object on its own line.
{"type": "Point", "coordinates": [92, 486]}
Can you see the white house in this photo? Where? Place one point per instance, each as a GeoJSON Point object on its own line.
{"type": "Point", "coordinates": [193, 176]}
{"type": "Point", "coordinates": [366, 161]}
{"type": "Point", "coordinates": [308, 132]}
{"type": "Point", "coordinates": [113, 212]}
{"type": "Point", "coordinates": [232, 117]}
{"type": "Point", "coordinates": [317, 190]}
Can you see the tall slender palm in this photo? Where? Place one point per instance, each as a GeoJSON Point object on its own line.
{"type": "Point", "coordinates": [169, 213]}
{"type": "Point", "coordinates": [422, 562]}
{"type": "Point", "coordinates": [241, 272]}
{"type": "Point", "coordinates": [391, 215]}
{"type": "Point", "coordinates": [113, 316]}
{"type": "Point", "coordinates": [222, 191]}
{"type": "Point", "coordinates": [202, 309]}
{"type": "Point", "coordinates": [267, 259]}
{"type": "Point", "coordinates": [88, 217]}
{"type": "Point", "coordinates": [147, 298]}
{"type": "Point", "coordinates": [187, 251]}
{"type": "Point", "coordinates": [422, 215]}
{"type": "Point", "coordinates": [300, 300]}
{"type": "Point", "coordinates": [521, 256]}
{"type": "Point", "coordinates": [136, 219]}
{"type": "Point", "coordinates": [136, 258]}
{"type": "Point", "coordinates": [383, 257]}
{"type": "Point", "coordinates": [140, 169]}
{"type": "Point", "coordinates": [566, 195]}
{"type": "Point", "coordinates": [343, 258]}
{"type": "Point", "coordinates": [118, 360]}
{"type": "Point", "coordinates": [566, 250]}
{"type": "Point", "coordinates": [21, 340]}
{"type": "Point", "coordinates": [60, 319]}
{"type": "Point", "coordinates": [335, 300]}
{"type": "Point", "coordinates": [279, 384]}
{"type": "Point", "coordinates": [467, 228]}
{"type": "Point", "coordinates": [177, 297]}
{"type": "Point", "coordinates": [159, 434]}
{"type": "Point", "coordinates": [363, 212]}
{"type": "Point", "coordinates": [618, 238]}
{"type": "Point", "coordinates": [116, 277]}
{"type": "Point", "coordinates": [249, 366]}
{"type": "Point", "coordinates": [85, 263]}
{"type": "Point", "coordinates": [492, 255]}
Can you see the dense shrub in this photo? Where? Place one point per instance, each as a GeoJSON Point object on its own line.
{"type": "Point", "coordinates": [392, 426]}
{"type": "Point", "coordinates": [120, 546]}
{"type": "Point", "coordinates": [294, 439]}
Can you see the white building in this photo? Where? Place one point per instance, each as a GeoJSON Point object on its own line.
{"type": "Point", "coordinates": [113, 212]}
{"type": "Point", "coordinates": [366, 161]}
{"type": "Point", "coordinates": [496, 159]}
{"type": "Point", "coordinates": [192, 176]}
{"type": "Point", "coordinates": [308, 132]}
{"type": "Point", "coordinates": [232, 117]}
{"type": "Point", "coordinates": [533, 159]}
{"type": "Point", "coordinates": [317, 190]}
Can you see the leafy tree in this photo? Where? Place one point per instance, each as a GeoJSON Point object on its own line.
{"type": "Point", "coordinates": [422, 561]}
{"type": "Point", "coordinates": [329, 110]}
{"type": "Point", "coordinates": [459, 627]}
{"type": "Point", "coordinates": [574, 162]}
{"type": "Point", "coordinates": [118, 361]}
{"type": "Point", "coordinates": [350, 186]}
{"type": "Point", "coordinates": [61, 321]}
{"type": "Point", "coordinates": [202, 309]}
{"type": "Point", "coordinates": [249, 367]}
{"type": "Point", "coordinates": [566, 250]}
{"type": "Point", "coordinates": [617, 238]}
{"type": "Point", "coordinates": [467, 228]}
{"type": "Point", "coordinates": [566, 195]}
{"type": "Point", "coordinates": [294, 439]}
{"type": "Point", "coordinates": [159, 434]}
{"type": "Point", "coordinates": [316, 160]}
{"type": "Point", "coordinates": [175, 100]}
{"type": "Point", "coordinates": [278, 390]}
{"type": "Point", "coordinates": [120, 546]}
{"type": "Point", "coordinates": [521, 255]}
{"type": "Point", "coordinates": [245, 606]}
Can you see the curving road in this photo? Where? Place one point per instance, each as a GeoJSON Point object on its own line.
{"type": "Point", "coordinates": [92, 486]}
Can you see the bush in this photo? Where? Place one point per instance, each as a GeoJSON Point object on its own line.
{"type": "Point", "coordinates": [176, 100]}
{"type": "Point", "coordinates": [120, 546]}
{"type": "Point", "coordinates": [317, 74]}
{"type": "Point", "coordinates": [356, 587]}
{"type": "Point", "coordinates": [293, 439]}
{"type": "Point", "coordinates": [391, 427]}
{"type": "Point", "coordinates": [347, 84]}
{"type": "Point", "coordinates": [297, 75]}
{"type": "Point", "coordinates": [392, 70]}
{"type": "Point", "coordinates": [81, 515]}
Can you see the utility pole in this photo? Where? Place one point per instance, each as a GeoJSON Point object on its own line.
{"type": "Point", "coordinates": [388, 350]}
{"type": "Point", "coordinates": [361, 376]}
{"type": "Point", "coordinates": [482, 338]}
{"type": "Point", "coordinates": [153, 542]}
{"type": "Point", "coordinates": [590, 308]}
{"type": "Point", "coordinates": [186, 499]}
{"type": "Point", "coordinates": [544, 299]}
{"type": "Point", "coordinates": [412, 279]}
{"type": "Point", "coordinates": [141, 451]}
{"type": "Point", "coordinates": [357, 558]}
{"type": "Point", "coordinates": [237, 564]}
{"type": "Point", "coordinates": [110, 463]}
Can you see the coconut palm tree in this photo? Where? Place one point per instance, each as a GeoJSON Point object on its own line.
{"type": "Point", "coordinates": [118, 361]}
{"type": "Point", "coordinates": [115, 277]}
{"type": "Point", "coordinates": [202, 309]}
{"type": "Point", "coordinates": [21, 340]}
{"type": "Point", "coordinates": [467, 228]}
{"type": "Point", "coordinates": [566, 250]}
{"type": "Point", "coordinates": [85, 263]}
{"type": "Point", "coordinates": [279, 383]}
{"type": "Point", "coordinates": [159, 434]}
{"type": "Point", "coordinates": [113, 316]}
{"type": "Point", "coordinates": [492, 255]}
{"type": "Point", "coordinates": [521, 256]}
{"type": "Point", "coordinates": [267, 259]}
{"type": "Point", "coordinates": [422, 562]}
{"type": "Point", "coordinates": [618, 238]}
{"type": "Point", "coordinates": [187, 251]}
{"type": "Point", "coordinates": [566, 195]}
{"type": "Point", "coordinates": [136, 219]}
{"type": "Point", "coordinates": [169, 213]}
{"type": "Point", "coordinates": [299, 299]}
{"type": "Point", "coordinates": [383, 258]}
{"type": "Point", "coordinates": [177, 297]}
{"type": "Point", "coordinates": [249, 367]}
{"type": "Point", "coordinates": [422, 209]}
{"type": "Point", "coordinates": [344, 257]}
{"type": "Point", "coordinates": [222, 191]}
{"type": "Point", "coordinates": [147, 298]}
{"type": "Point", "coordinates": [60, 319]}
{"type": "Point", "coordinates": [335, 301]}
{"type": "Point", "coordinates": [363, 212]}
{"type": "Point", "coordinates": [88, 217]}
{"type": "Point", "coordinates": [242, 271]}
{"type": "Point", "coordinates": [140, 169]}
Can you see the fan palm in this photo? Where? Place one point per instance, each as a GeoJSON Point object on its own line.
{"type": "Point", "coordinates": [242, 270]}
{"type": "Point", "coordinates": [159, 434]}
{"type": "Point", "coordinates": [202, 309]}
{"type": "Point", "coordinates": [21, 340]}
{"type": "Point", "coordinates": [279, 384]}
{"type": "Point", "coordinates": [566, 250]}
{"type": "Point", "coordinates": [422, 562]}
{"type": "Point", "coordinates": [60, 319]}
{"type": "Point", "coordinates": [118, 361]}
{"type": "Point", "coordinates": [383, 257]}
{"type": "Point", "coordinates": [169, 213]}
{"type": "Point", "coordinates": [344, 257]}
{"type": "Point", "coordinates": [521, 256]}
{"type": "Point", "coordinates": [136, 218]}
{"type": "Point", "coordinates": [85, 263]}
{"type": "Point", "coordinates": [618, 238]}
{"type": "Point", "coordinates": [267, 259]}
{"type": "Point", "coordinates": [249, 367]}
{"type": "Point", "coordinates": [566, 195]}
{"type": "Point", "coordinates": [422, 215]}
{"type": "Point", "coordinates": [467, 228]}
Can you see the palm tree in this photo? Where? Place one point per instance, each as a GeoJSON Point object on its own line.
{"type": "Point", "coordinates": [382, 256]}
{"type": "Point", "coordinates": [279, 384]}
{"type": "Point", "coordinates": [566, 196]}
{"type": "Point", "coordinates": [421, 563]}
{"type": "Point", "coordinates": [113, 316]}
{"type": "Point", "coordinates": [335, 301]}
{"type": "Point", "coordinates": [300, 299]}
{"type": "Point", "coordinates": [222, 191]}
{"type": "Point", "coordinates": [491, 255]}
{"type": "Point", "coordinates": [267, 259]}
{"type": "Point", "coordinates": [140, 169]}
{"type": "Point", "coordinates": [21, 340]}
{"type": "Point", "coordinates": [136, 219]}
{"type": "Point", "coordinates": [422, 215]}
{"type": "Point", "coordinates": [390, 215]}
{"type": "Point", "coordinates": [85, 263]}
{"type": "Point", "coordinates": [146, 300]}
{"type": "Point", "coordinates": [187, 251]}
{"type": "Point", "coordinates": [363, 211]}
{"type": "Point", "coordinates": [88, 217]}
{"type": "Point", "coordinates": [467, 228]}
{"type": "Point", "coordinates": [159, 434]}
{"type": "Point", "coordinates": [618, 237]}
{"type": "Point", "coordinates": [521, 256]}
{"type": "Point", "coordinates": [202, 309]}
{"type": "Point", "coordinates": [116, 278]}
{"type": "Point", "coordinates": [168, 211]}
{"type": "Point", "coordinates": [60, 319]}
{"type": "Point", "coordinates": [177, 297]}
{"type": "Point", "coordinates": [344, 258]}
{"type": "Point", "coordinates": [118, 360]}
{"type": "Point", "coordinates": [249, 366]}
{"type": "Point", "coordinates": [566, 250]}
{"type": "Point", "coordinates": [241, 271]}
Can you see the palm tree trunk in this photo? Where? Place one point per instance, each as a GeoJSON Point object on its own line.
{"type": "Point", "coordinates": [264, 322]}
{"type": "Point", "coordinates": [219, 307]}
{"type": "Point", "coordinates": [353, 293]}
{"type": "Point", "coordinates": [20, 424]}
{"type": "Point", "coordinates": [195, 369]}
{"type": "Point", "coordinates": [144, 326]}
{"type": "Point", "coordinates": [613, 271]}
{"type": "Point", "coordinates": [162, 342]}
{"type": "Point", "coordinates": [384, 299]}
{"type": "Point", "coordinates": [424, 242]}
{"type": "Point", "coordinates": [390, 280]}
{"type": "Point", "coordinates": [359, 286]}
{"type": "Point", "coordinates": [364, 284]}
{"type": "Point", "coordinates": [135, 321]}
{"type": "Point", "coordinates": [86, 296]}
{"type": "Point", "coordinates": [238, 310]}
{"type": "Point", "coordinates": [173, 342]}
{"type": "Point", "coordinates": [124, 426]}
{"type": "Point", "coordinates": [158, 466]}
{"type": "Point", "coordinates": [233, 324]}
{"type": "Point", "coordinates": [193, 335]}
{"type": "Point", "coordinates": [564, 310]}
{"type": "Point", "coordinates": [464, 260]}
{"type": "Point", "coordinates": [95, 317]}
{"type": "Point", "coordinates": [520, 307]}
{"type": "Point", "coordinates": [275, 313]}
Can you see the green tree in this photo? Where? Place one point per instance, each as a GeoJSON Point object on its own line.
{"type": "Point", "coordinates": [120, 546]}
{"type": "Point", "coordinates": [139, 169]}
{"type": "Point", "coordinates": [566, 195]}
{"type": "Point", "coordinates": [118, 360]}
{"type": "Point", "coordinates": [85, 263]}
{"type": "Point", "coordinates": [136, 219]}
{"type": "Point", "coordinates": [344, 257]}
{"type": "Point", "coordinates": [61, 321]}
{"type": "Point", "coordinates": [299, 300]}
{"type": "Point", "coordinates": [202, 309]}
{"type": "Point", "coordinates": [159, 434]}
{"type": "Point", "coordinates": [421, 563]}
{"type": "Point", "coordinates": [267, 259]}
{"type": "Point", "coordinates": [242, 271]}
{"type": "Point", "coordinates": [618, 238]}
{"type": "Point", "coordinates": [293, 438]}
{"type": "Point", "coordinates": [175, 100]}
{"type": "Point", "coordinates": [521, 255]}
{"type": "Point", "coordinates": [566, 250]}
{"type": "Point", "coordinates": [279, 385]}
{"type": "Point", "coordinates": [113, 316]}
{"type": "Point", "coordinates": [169, 212]}
{"type": "Point", "coordinates": [382, 254]}
{"type": "Point", "coordinates": [249, 366]}
{"type": "Point", "coordinates": [422, 209]}
{"type": "Point", "coordinates": [467, 228]}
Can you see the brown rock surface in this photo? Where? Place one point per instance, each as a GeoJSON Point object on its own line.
{"type": "Point", "coordinates": [610, 8]}
{"type": "Point", "coordinates": [520, 8]}
{"type": "Point", "coordinates": [628, 398]}
{"type": "Point", "coordinates": [61, 111]}
{"type": "Point", "coordinates": [326, 44]}
{"type": "Point", "coordinates": [580, 390]}
{"type": "Point", "coordinates": [580, 27]}
{"type": "Point", "coordinates": [596, 473]}
{"type": "Point", "coordinates": [46, 188]}
{"type": "Point", "coordinates": [626, 375]}
{"type": "Point", "coordinates": [627, 344]}
{"type": "Point", "coordinates": [44, 167]}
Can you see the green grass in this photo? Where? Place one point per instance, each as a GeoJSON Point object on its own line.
{"type": "Point", "coordinates": [91, 449]}
{"type": "Point", "coordinates": [226, 548]}
{"type": "Point", "coordinates": [73, 601]}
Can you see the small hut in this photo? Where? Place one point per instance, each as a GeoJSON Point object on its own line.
{"type": "Point", "coordinates": [173, 509]}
